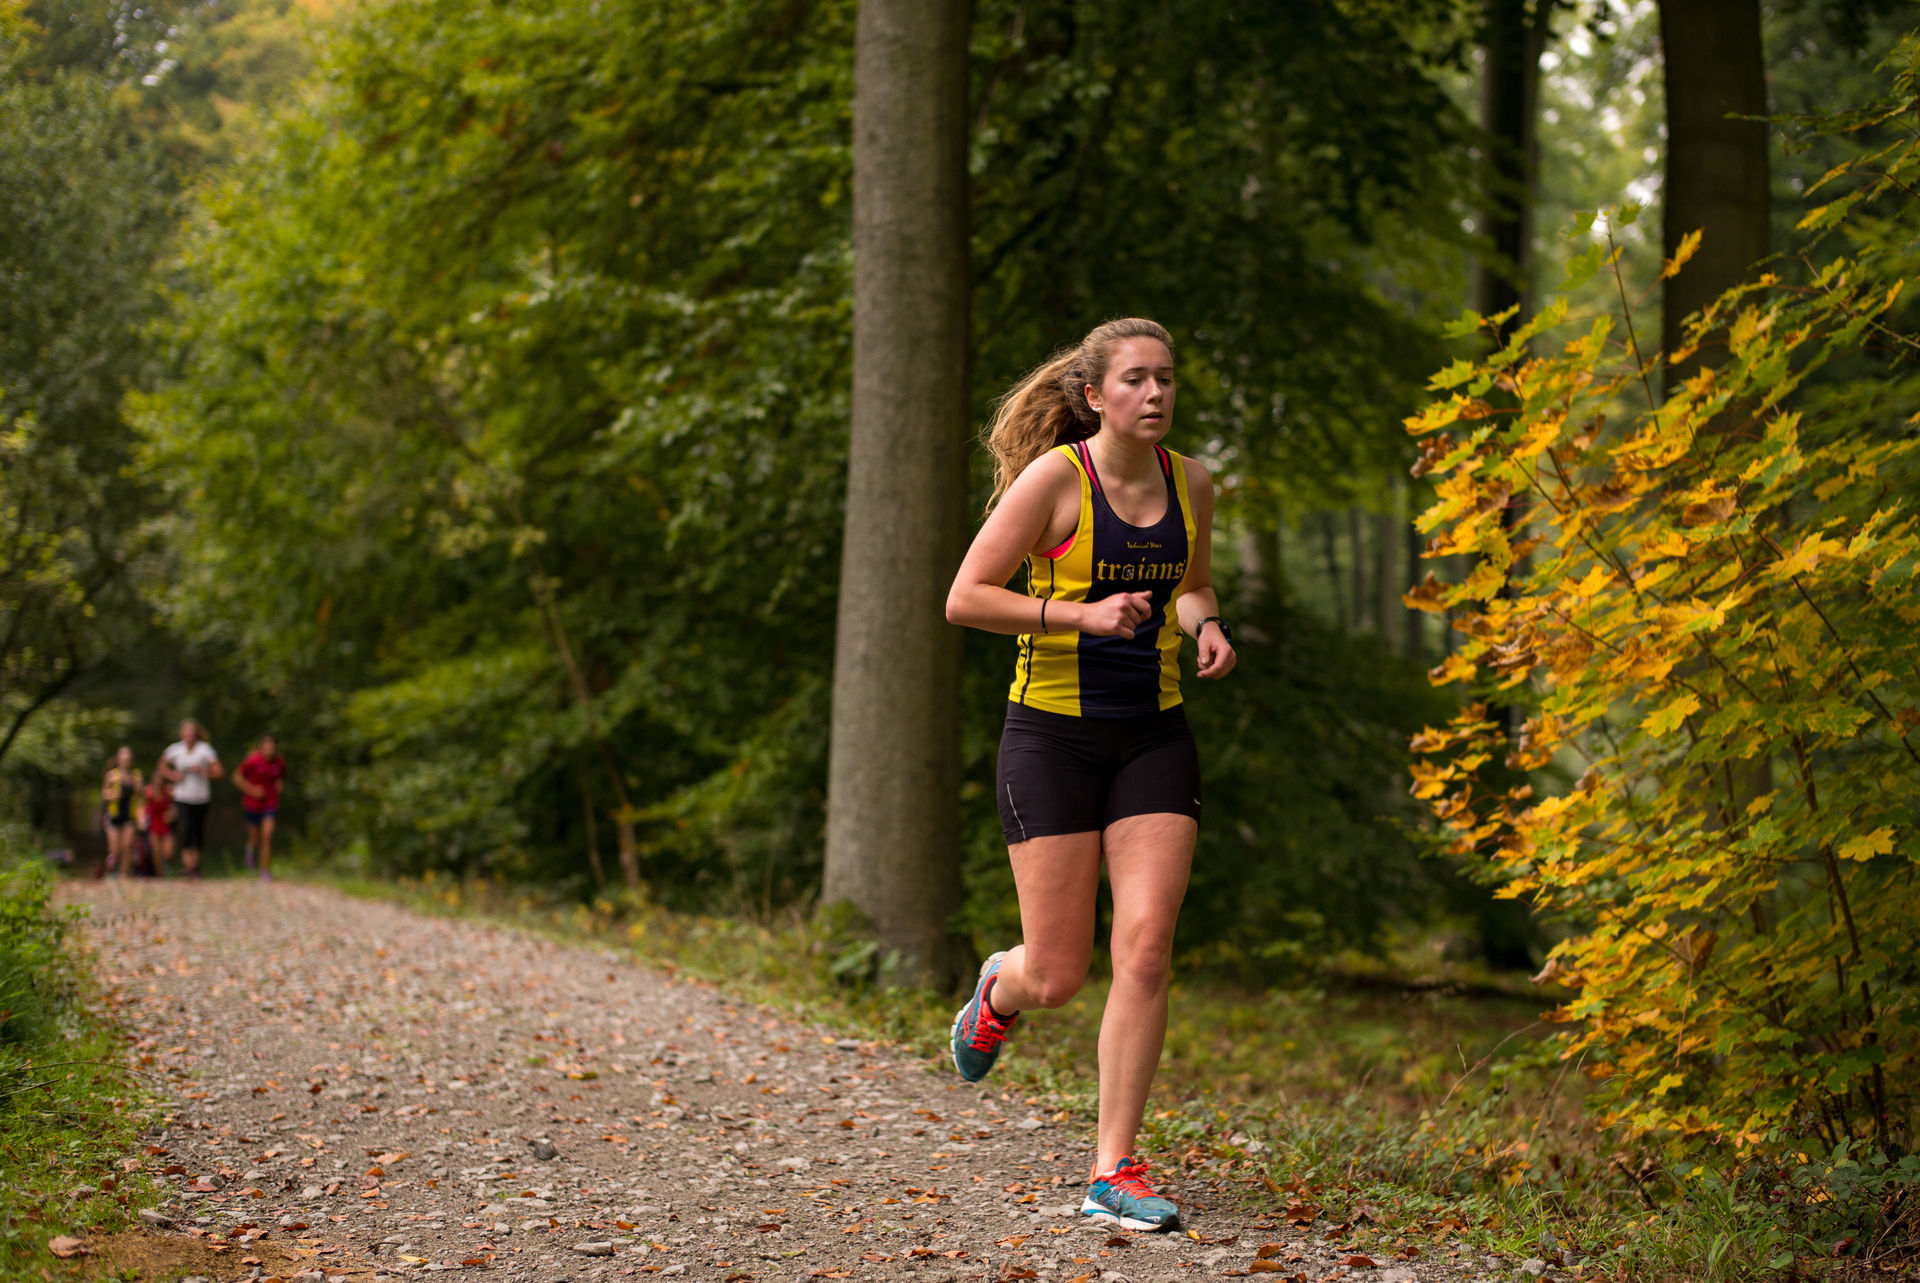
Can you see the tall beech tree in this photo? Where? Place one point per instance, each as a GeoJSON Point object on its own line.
{"type": "Point", "coordinates": [893, 787]}
{"type": "Point", "coordinates": [1716, 179]}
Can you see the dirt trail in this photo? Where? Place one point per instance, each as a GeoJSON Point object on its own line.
{"type": "Point", "coordinates": [372, 1091]}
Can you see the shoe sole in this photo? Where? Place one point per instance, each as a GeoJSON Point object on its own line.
{"type": "Point", "coordinates": [953, 1031]}
{"type": "Point", "coordinates": [1105, 1215]}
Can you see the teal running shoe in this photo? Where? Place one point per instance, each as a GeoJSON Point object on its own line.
{"type": "Point", "coordinates": [1122, 1197]}
{"type": "Point", "coordinates": [977, 1031]}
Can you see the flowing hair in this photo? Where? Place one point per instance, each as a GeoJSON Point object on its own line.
{"type": "Point", "coordinates": [1049, 406]}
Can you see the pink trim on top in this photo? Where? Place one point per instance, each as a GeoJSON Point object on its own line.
{"type": "Point", "coordinates": [1086, 457]}
{"type": "Point", "coordinates": [1054, 554]}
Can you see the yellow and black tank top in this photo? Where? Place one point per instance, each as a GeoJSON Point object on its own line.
{"type": "Point", "coordinates": [1065, 671]}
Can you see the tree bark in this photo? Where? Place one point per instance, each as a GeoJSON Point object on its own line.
{"type": "Point", "coordinates": [1386, 583]}
{"type": "Point", "coordinates": [1331, 557]}
{"type": "Point", "coordinates": [1716, 181]}
{"type": "Point", "coordinates": [1416, 620]}
{"type": "Point", "coordinates": [893, 813]}
{"type": "Point", "coordinates": [593, 832]}
{"type": "Point", "coordinates": [1356, 571]}
{"type": "Point", "coordinates": [1509, 85]}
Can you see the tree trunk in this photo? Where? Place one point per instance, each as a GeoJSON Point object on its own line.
{"type": "Point", "coordinates": [1716, 182]}
{"type": "Point", "coordinates": [593, 832]}
{"type": "Point", "coordinates": [1416, 620]}
{"type": "Point", "coordinates": [1509, 83]}
{"type": "Point", "coordinates": [1262, 575]}
{"type": "Point", "coordinates": [1356, 571]}
{"type": "Point", "coordinates": [1716, 167]}
{"type": "Point", "coordinates": [1331, 556]}
{"type": "Point", "coordinates": [893, 813]}
{"type": "Point", "coordinates": [1386, 583]}
{"type": "Point", "coordinates": [1511, 42]}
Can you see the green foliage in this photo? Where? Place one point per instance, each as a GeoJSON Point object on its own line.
{"type": "Point", "coordinates": [37, 987]}
{"type": "Point", "coordinates": [1708, 606]}
{"type": "Point", "coordinates": [81, 232]}
{"type": "Point", "coordinates": [490, 359]}
{"type": "Point", "coordinates": [68, 1109]}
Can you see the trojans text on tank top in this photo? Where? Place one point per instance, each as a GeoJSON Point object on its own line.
{"type": "Point", "coordinates": [1064, 671]}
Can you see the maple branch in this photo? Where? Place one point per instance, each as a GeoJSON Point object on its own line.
{"type": "Point", "coordinates": [1845, 653]}
{"type": "Point", "coordinates": [1626, 317]}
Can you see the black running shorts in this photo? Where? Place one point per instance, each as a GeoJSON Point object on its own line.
{"type": "Point", "coordinates": [189, 825]}
{"type": "Point", "coordinates": [1061, 774]}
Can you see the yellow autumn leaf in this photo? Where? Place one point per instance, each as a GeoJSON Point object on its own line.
{"type": "Point", "coordinates": [1662, 722]}
{"type": "Point", "coordinates": [1596, 579]}
{"type": "Point", "coordinates": [1868, 845]}
{"type": "Point", "coordinates": [1688, 247]}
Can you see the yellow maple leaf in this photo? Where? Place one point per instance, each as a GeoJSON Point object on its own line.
{"type": "Point", "coordinates": [1868, 845]}
{"type": "Point", "coordinates": [1662, 722]}
{"type": "Point", "coordinates": [1688, 247]}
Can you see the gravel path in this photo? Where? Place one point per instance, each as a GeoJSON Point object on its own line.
{"type": "Point", "coordinates": [385, 1094]}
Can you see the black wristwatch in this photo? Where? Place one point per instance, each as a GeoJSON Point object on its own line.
{"type": "Point", "coordinates": [1226, 629]}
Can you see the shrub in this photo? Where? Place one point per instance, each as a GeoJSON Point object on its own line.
{"type": "Point", "coordinates": [1706, 613]}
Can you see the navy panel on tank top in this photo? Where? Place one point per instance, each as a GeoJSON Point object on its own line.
{"type": "Point", "coordinates": [1120, 676]}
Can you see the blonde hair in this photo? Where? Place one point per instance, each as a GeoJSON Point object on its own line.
{"type": "Point", "coordinates": [1049, 406]}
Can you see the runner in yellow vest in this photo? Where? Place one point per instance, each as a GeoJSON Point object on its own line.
{"type": "Point", "coordinates": [1096, 762]}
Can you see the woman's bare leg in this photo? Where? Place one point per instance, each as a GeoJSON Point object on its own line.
{"type": "Point", "coordinates": [263, 842]}
{"type": "Point", "coordinates": [1058, 878]}
{"type": "Point", "coordinates": [1148, 860]}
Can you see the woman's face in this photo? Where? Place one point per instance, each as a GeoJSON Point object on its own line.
{"type": "Point", "coordinates": [123, 759]}
{"type": "Point", "coordinates": [1135, 399]}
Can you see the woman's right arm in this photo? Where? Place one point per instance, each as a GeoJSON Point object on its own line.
{"type": "Point", "coordinates": [980, 597]}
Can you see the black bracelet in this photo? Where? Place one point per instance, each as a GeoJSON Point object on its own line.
{"type": "Point", "coordinates": [1043, 614]}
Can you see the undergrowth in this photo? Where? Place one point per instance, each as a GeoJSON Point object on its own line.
{"type": "Point", "coordinates": [1423, 1124]}
{"type": "Point", "coordinates": [70, 1112]}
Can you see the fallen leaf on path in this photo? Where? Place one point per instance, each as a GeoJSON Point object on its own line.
{"type": "Point", "coordinates": [1267, 1250]}
{"type": "Point", "coordinates": [1360, 1262]}
{"type": "Point", "coordinates": [64, 1247]}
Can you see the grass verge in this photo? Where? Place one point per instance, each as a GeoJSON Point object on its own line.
{"type": "Point", "coordinates": [71, 1113]}
{"type": "Point", "coordinates": [1419, 1123]}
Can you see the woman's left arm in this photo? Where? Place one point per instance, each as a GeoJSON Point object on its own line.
{"type": "Point", "coordinates": [1197, 600]}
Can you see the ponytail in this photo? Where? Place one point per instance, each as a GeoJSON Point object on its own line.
{"type": "Point", "coordinates": [1049, 407]}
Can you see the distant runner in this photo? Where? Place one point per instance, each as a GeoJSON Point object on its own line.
{"type": "Point", "coordinates": [192, 766]}
{"type": "Point", "coordinates": [160, 822]}
{"type": "Point", "coordinates": [259, 777]}
{"type": "Point", "coordinates": [1096, 761]}
{"type": "Point", "coordinates": [120, 790]}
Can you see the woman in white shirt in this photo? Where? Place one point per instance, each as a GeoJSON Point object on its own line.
{"type": "Point", "coordinates": [192, 765]}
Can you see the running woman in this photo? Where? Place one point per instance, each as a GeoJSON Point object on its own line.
{"type": "Point", "coordinates": [259, 777]}
{"type": "Point", "coordinates": [192, 766]}
{"type": "Point", "coordinates": [120, 789]}
{"type": "Point", "coordinates": [160, 821]}
{"type": "Point", "coordinates": [1096, 761]}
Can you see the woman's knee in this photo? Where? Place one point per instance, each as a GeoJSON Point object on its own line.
{"type": "Point", "coordinates": [1052, 982]}
{"type": "Point", "coordinates": [1143, 959]}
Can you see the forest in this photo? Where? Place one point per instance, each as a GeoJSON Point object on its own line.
{"type": "Point", "coordinates": [471, 395]}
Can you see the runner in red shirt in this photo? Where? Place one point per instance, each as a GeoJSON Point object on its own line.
{"type": "Point", "coordinates": [160, 822]}
{"type": "Point", "coordinates": [260, 777]}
